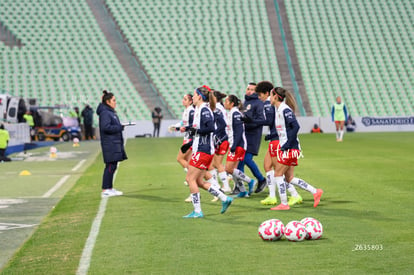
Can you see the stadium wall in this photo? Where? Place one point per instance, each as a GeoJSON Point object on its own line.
{"type": "Point", "coordinates": [363, 124]}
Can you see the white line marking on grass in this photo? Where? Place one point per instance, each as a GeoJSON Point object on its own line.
{"type": "Point", "coordinates": [90, 242]}
{"type": "Point", "coordinates": [78, 165]}
{"type": "Point", "coordinates": [56, 187]}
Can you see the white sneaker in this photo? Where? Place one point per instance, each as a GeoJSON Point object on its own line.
{"type": "Point", "coordinates": [189, 199]}
{"type": "Point", "coordinates": [215, 199]}
{"type": "Point", "coordinates": [111, 193]}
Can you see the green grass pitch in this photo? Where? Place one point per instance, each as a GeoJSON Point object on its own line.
{"type": "Point", "coordinates": [366, 212]}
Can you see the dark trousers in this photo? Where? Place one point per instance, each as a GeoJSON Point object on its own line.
{"type": "Point", "coordinates": [88, 131]}
{"type": "Point", "coordinates": [156, 129]}
{"type": "Point", "coordinates": [248, 160]}
{"type": "Point", "coordinates": [108, 175]}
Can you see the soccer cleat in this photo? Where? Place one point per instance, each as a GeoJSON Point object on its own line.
{"type": "Point", "coordinates": [295, 200]}
{"type": "Point", "coordinates": [194, 215]}
{"type": "Point", "coordinates": [269, 201]}
{"type": "Point", "coordinates": [281, 207]}
{"type": "Point", "coordinates": [261, 186]}
{"type": "Point", "coordinates": [189, 199]}
{"type": "Point", "coordinates": [317, 197]}
{"type": "Point", "coordinates": [235, 191]}
{"type": "Point", "coordinates": [252, 183]}
{"type": "Point", "coordinates": [225, 204]}
{"type": "Point", "coordinates": [242, 195]}
{"type": "Point", "coordinates": [110, 193]}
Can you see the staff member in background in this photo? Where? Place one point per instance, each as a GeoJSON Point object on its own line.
{"type": "Point", "coordinates": [339, 114]}
{"type": "Point", "coordinates": [112, 142]}
{"type": "Point", "coordinates": [30, 121]}
{"type": "Point", "coordinates": [87, 114]}
{"type": "Point", "coordinates": [4, 142]}
{"type": "Point", "coordinates": [156, 120]}
{"type": "Point", "coordinates": [316, 129]}
{"type": "Point", "coordinates": [252, 111]}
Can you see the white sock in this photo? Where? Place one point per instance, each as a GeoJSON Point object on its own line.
{"type": "Point", "coordinates": [185, 170]}
{"type": "Point", "coordinates": [241, 176]}
{"type": "Point", "coordinates": [304, 185]}
{"type": "Point", "coordinates": [224, 180]}
{"type": "Point", "coordinates": [292, 190]}
{"type": "Point", "coordinates": [280, 182]}
{"type": "Point", "coordinates": [269, 179]}
{"type": "Point", "coordinates": [196, 202]}
{"type": "Point", "coordinates": [213, 173]}
{"type": "Point", "coordinates": [341, 134]}
{"type": "Point", "coordinates": [213, 182]}
{"type": "Point", "coordinates": [337, 134]}
{"type": "Point", "coordinates": [217, 193]}
{"type": "Point", "coordinates": [239, 184]}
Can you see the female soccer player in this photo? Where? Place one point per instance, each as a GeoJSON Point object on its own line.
{"type": "Point", "coordinates": [339, 114]}
{"type": "Point", "coordinates": [238, 144]}
{"type": "Point", "coordinates": [220, 140]}
{"type": "Point", "coordinates": [203, 152]}
{"type": "Point", "coordinates": [288, 149]}
{"type": "Point", "coordinates": [263, 90]}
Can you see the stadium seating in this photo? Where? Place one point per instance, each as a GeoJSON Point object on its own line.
{"type": "Point", "coordinates": [361, 50]}
{"type": "Point", "coordinates": [224, 44]}
{"type": "Point", "coordinates": [65, 59]}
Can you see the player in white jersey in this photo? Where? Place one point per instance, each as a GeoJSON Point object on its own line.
{"type": "Point", "coordinates": [288, 150]}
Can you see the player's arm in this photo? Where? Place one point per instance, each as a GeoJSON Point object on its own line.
{"type": "Point", "coordinates": [292, 129]}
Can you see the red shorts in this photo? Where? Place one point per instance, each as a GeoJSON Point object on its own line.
{"type": "Point", "coordinates": [273, 146]}
{"type": "Point", "coordinates": [201, 160]}
{"type": "Point", "coordinates": [288, 157]}
{"type": "Point", "coordinates": [223, 148]}
{"type": "Point", "coordinates": [236, 156]}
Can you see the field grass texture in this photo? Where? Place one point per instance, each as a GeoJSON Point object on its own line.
{"type": "Point", "coordinates": [366, 211]}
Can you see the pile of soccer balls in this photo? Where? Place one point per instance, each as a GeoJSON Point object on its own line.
{"type": "Point", "coordinates": [294, 231]}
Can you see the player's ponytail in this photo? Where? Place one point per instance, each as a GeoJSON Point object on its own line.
{"type": "Point", "coordinates": [284, 95]}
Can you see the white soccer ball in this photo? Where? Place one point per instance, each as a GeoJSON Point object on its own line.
{"type": "Point", "coordinates": [313, 228]}
{"type": "Point", "coordinates": [271, 230]}
{"type": "Point", "coordinates": [295, 231]}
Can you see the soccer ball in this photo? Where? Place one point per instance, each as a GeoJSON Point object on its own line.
{"type": "Point", "coordinates": [271, 230]}
{"type": "Point", "coordinates": [295, 231]}
{"type": "Point", "coordinates": [313, 228]}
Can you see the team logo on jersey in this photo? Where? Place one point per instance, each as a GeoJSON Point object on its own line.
{"type": "Point", "coordinates": [248, 107]}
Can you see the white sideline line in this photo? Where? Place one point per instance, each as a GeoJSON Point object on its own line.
{"type": "Point", "coordinates": [56, 187]}
{"type": "Point", "coordinates": [85, 259]}
{"type": "Point", "coordinates": [78, 165]}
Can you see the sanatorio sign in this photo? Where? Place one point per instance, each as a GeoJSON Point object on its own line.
{"type": "Point", "coordinates": [387, 121]}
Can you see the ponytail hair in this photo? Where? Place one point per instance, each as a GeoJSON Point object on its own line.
{"type": "Point", "coordinates": [207, 95]}
{"type": "Point", "coordinates": [106, 96]}
{"type": "Point", "coordinates": [236, 101]}
{"type": "Point", "coordinates": [283, 94]}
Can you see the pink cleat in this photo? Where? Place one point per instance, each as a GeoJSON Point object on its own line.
{"type": "Point", "coordinates": [317, 197]}
{"type": "Point", "coordinates": [281, 207]}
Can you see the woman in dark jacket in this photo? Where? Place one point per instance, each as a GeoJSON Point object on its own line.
{"type": "Point", "coordinates": [112, 142]}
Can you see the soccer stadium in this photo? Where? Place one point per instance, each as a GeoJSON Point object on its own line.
{"type": "Point", "coordinates": [150, 53]}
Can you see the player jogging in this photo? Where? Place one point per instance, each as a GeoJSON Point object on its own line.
{"type": "Point", "coordinates": [203, 152]}
{"type": "Point", "coordinates": [339, 114]}
{"type": "Point", "coordinates": [288, 149]}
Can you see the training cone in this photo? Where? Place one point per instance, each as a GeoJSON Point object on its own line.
{"type": "Point", "coordinates": [25, 173]}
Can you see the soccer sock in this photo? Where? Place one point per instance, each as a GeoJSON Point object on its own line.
{"type": "Point", "coordinates": [217, 193]}
{"type": "Point", "coordinates": [337, 134]}
{"type": "Point", "coordinates": [224, 180]}
{"type": "Point", "coordinates": [213, 182]}
{"type": "Point", "coordinates": [213, 172]}
{"type": "Point", "coordinates": [240, 175]}
{"type": "Point", "coordinates": [196, 202]}
{"type": "Point", "coordinates": [185, 170]}
{"type": "Point", "coordinates": [269, 179]}
{"type": "Point", "coordinates": [341, 134]}
{"type": "Point", "coordinates": [292, 190]}
{"type": "Point", "coordinates": [304, 185]}
{"type": "Point", "coordinates": [280, 182]}
{"type": "Point", "coordinates": [240, 185]}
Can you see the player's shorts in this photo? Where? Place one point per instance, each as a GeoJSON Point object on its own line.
{"type": "Point", "coordinates": [288, 157]}
{"type": "Point", "coordinates": [236, 156]}
{"type": "Point", "coordinates": [273, 147]}
{"type": "Point", "coordinates": [187, 145]}
{"type": "Point", "coordinates": [339, 121]}
{"type": "Point", "coordinates": [201, 160]}
{"type": "Point", "coordinates": [223, 148]}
